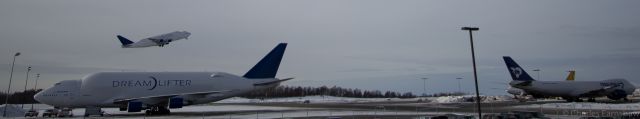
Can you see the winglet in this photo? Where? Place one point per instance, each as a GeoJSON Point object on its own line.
{"type": "Point", "coordinates": [517, 73]}
{"type": "Point", "coordinates": [124, 40]}
{"type": "Point", "coordinates": [268, 66]}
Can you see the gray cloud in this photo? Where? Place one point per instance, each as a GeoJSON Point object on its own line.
{"type": "Point", "coordinates": [355, 43]}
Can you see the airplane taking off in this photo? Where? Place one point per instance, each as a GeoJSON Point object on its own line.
{"type": "Point", "coordinates": [159, 40]}
{"type": "Point", "coordinates": [157, 92]}
{"type": "Point", "coordinates": [614, 89]}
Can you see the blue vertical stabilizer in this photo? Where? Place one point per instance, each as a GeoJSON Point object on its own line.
{"type": "Point", "coordinates": [517, 73]}
{"type": "Point", "coordinates": [268, 66]}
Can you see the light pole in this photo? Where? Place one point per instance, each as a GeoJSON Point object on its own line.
{"type": "Point", "coordinates": [537, 71]}
{"type": "Point", "coordinates": [424, 87]}
{"type": "Point", "coordinates": [35, 87]}
{"type": "Point", "coordinates": [25, 86]}
{"type": "Point", "coordinates": [6, 100]}
{"type": "Point", "coordinates": [459, 91]}
{"type": "Point", "coordinates": [475, 73]}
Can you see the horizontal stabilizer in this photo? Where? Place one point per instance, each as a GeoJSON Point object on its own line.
{"type": "Point", "coordinates": [272, 82]}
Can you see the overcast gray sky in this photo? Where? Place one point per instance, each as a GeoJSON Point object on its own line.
{"type": "Point", "coordinates": [369, 44]}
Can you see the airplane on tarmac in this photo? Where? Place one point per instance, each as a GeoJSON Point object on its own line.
{"type": "Point", "coordinates": [157, 92]}
{"type": "Point", "coordinates": [159, 40]}
{"type": "Point", "coordinates": [614, 89]}
{"type": "Point", "coordinates": [523, 96]}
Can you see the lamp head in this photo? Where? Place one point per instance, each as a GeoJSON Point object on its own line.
{"type": "Point", "coordinates": [470, 28]}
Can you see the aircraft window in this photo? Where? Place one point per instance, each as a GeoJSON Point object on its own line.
{"type": "Point", "coordinates": [57, 84]}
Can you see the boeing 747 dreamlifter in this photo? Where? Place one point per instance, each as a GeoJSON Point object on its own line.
{"type": "Point", "coordinates": [157, 92]}
{"type": "Point", "coordinates": [159, 40]}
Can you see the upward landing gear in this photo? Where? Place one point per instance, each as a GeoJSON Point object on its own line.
{"type": "Point", "coordinates": [158, 110]}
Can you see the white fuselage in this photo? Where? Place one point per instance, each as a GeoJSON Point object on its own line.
{"type": "Point", "coordinates": [575, 88]}
{"type": "Point", "coordinates": [159, 40]}
{"type": "Point", "coordinates": [103, 89]}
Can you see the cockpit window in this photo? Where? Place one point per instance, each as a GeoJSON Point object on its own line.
{"type": "Point", "coordinates": [57, 84]}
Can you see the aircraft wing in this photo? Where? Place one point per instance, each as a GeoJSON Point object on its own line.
{"type": "Point", "coordinates": [166, 97]}
{"type": "Point", "coordinates": [598, 91]}
{"type": "Point", "coordinates": [169, 37]}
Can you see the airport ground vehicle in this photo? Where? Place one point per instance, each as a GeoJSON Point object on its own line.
{"type": "Point", "coordinates": [31, 113]}
{"type": "Point", "coordinates": [65, 112]}
{"type": "Point", "coordinates": [50, 113]}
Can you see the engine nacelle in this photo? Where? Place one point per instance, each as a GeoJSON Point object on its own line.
{"type": "Point", "coordinates": [134, 106]}
{"type": "Point", "coordinates": [176, 102]}
{"type": "Point", "coordinates": [617, 95]}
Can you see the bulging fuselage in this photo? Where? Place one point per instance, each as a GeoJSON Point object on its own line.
{"type": "Point", "coordinates": [105, 88]}
{"type": "Point", "coordinates": [159, 40]}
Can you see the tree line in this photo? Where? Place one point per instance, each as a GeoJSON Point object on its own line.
{"type": "Point", "coordinates": [24, 97]}
{"type": "Point", "coordinates": [298, 91]}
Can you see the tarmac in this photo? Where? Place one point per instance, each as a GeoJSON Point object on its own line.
{"type": "Point", "coordinates": [359, 110]}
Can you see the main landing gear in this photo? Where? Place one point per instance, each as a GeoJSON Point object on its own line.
{"type": "Point", "coordinates": [158, 110]}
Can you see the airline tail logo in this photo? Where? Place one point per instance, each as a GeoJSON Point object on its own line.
{"type": "Point", "coordinates": [516, 71]}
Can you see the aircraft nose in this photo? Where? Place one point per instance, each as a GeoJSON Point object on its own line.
{"type": "Point", "coordinates": [38, 97]}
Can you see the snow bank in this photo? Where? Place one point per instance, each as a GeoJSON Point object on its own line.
{"type": "Point", "coordinates": [12, 111]}
{"type": "Point", "coordinates": [312, 99]}
{"type": "Point", "coordinates": [471, 98]}
{"type": "Point", "coordinates": [332, 99]}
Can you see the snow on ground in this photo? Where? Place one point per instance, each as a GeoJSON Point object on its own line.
{"type": "Point", "coordinates": [585, 105]}
{"type": "Point", "coordinates": [313, 99]}
{"type": "Point", "coordinates": [12, 110]}
{"type": "Point", "coordinates": [470, 98]}
{"type": "Point", "coordinates": [332, 99]}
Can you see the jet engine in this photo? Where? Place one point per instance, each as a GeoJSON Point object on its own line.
{"type": "Point", "coordinates": [617, 94]}
{"type": "Point", "coordinates": [134, 106]}
{"type": "Point", "coordinates": [176, 102]}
